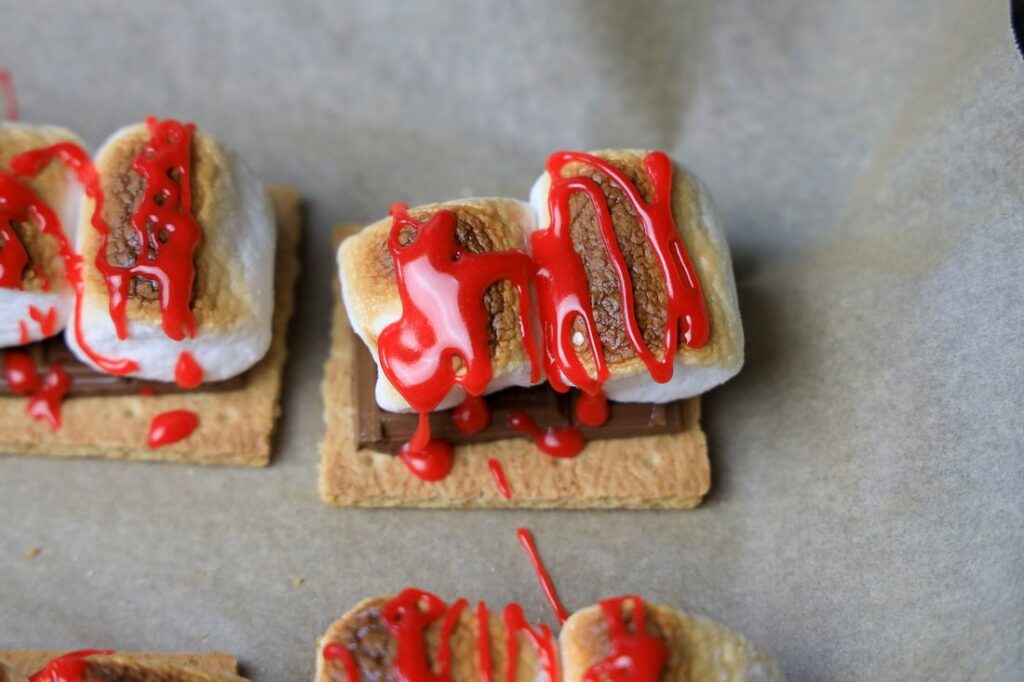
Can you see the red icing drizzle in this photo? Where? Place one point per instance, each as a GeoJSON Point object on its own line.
{"type": "Point", "coordinates": [168, 234]}
{"type": "Point", "coordinates": [47, 321]}
{"type": "Point", "coordinates": [23, 337]}
{"type": "Point", "coordinates": [592, 410]}
{"type": "Point", "coordinates": [432, 462]}
{"type": "Point", "coordinates": [442, 288]}
{"type": "Point", "coordinates": [67, 668]}
{"type": "Point", "coordinates": [171, 427]}
{"type": "Point", "coordinates": [45, 403]}
{"type": "Point", "coordinates": [546, 584]}
{"type": "Point", "coordinates": [7, 94]}
{"type": "Point", "coordinates": [20, 372]}
{"type": "Point", "coordinates": [472, 415]}
{"type": "Point", "coordinates": [18, 203]}
{"type": "Point", "coordinates": [407, 617]}
{"type": "Point", "coordinates": [335, 651]}
{"type": "Point", "coordinates": [483, 641]}
{"type": "Point", "coordinates": [187, 373]}
{"type": "Point", "coordinates": [564, 296]}
{"type": "Point", "coordinates": [541, 640]}
{"type": "Point", "coordinates": [636, 655]}
{"type": "Point", "coordinates": [556, 441]}
{"type": "Point", "coordinates": [498, 474]}
{"type": "Point", "coordinates": [77, 159]}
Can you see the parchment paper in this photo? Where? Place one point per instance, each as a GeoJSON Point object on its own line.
{"type": "Point", "coordinates": [867, 159]}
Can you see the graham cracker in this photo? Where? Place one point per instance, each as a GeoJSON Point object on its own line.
{"type": "Point", "coordinates": [235, 425]}
{"type": "Point", "coordinates": [28, 661]}
{"type": "Point", "coordinates": [665, 471]}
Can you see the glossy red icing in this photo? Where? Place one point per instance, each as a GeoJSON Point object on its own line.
{"type": "Point", "coordinates": [441, 340]}
{"type": "Point", "coordinates": [592, 410]}
{"type": "Point", "coordinates": [556, 441]}
{"type": "Point", "coordinates": [498, 474]}
{"type": "Point", "coordinates": [407, 617]}
{"type": "Point", "coordinates": [24, 337]}
{"type": "Point", "coordinates": [546, 584]}
{"type": "Point", "coordinates": [472, 415]}
{"type": "Point", "coordinates": [335, 651]}
{"type": "Point", "coordinates": [636, 655]}
{"type": "Point", "coordinates": [20, 372]}
{"type": "Point", "coordinates": [431, 462]}
{"type": "Point", "coordinates": [171, 427]}
{"type": "Point", "coordinates": [47, 321]}
{"type": "Point", "coordinates": [187, 372]}
{"type": "Point", "coordinates": [483, 641]}
{"type": "Point", "coordinates": [70, 667]}
{"type": "Point", "coordinates": [18, 204]}
{"type": "Point", "coordinates": [541, 640]}
{"type": "Point", "coordinates": [563, 293]}
{"type": "Point", "coordinates": [45, 403]}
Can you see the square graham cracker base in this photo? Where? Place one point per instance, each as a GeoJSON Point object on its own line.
{"type": "Point", "coordinates": [664, 471]}
{"type": "Point", "coordinates": [28, 661]}
{"type": "Point", "coordinates": [235, 426]}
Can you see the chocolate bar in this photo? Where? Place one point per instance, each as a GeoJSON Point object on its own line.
{"type": "Point", "coordinates": [383, 431]}
{"type": "Point", "coordinates": [86, 381]}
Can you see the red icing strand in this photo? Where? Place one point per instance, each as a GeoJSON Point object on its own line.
{"type": "Point", "coordinates": [23, 335]}
{"type": "Point", "coordinates": [70, 667]}
{"type": "Point", "coordinates": [472, 415]}
{"type": "Point", "coordinates": [546, 584]}
{"type": "Point", "coordinates": [18, 204]}
{"type": "Point", "coordinates": [562, 287]}
{"type": "Point", "coordinates": [47, 321]}
{"type": "Point", "coordinates": [592, 410]}
{"type": "Point", "coordinates": [407, 617]}
{"type": "Point", "coordinates": [444, 321]}
{"type": "Point", "coordinates": [483, 641]}
{"type": "Point", "coordinates": [8, 96]}
{"type": "Point", "coordinates": [556, 441]}
{"type": "Point", "coordinates": [188, 373]}
{"type": "Point", "coordinates": [540, 639]}
{"type": "Point", "coordinates": [430, 463]}
{"type": "Point", "coordinates": [335, 651]}
{"type": "Point", "coordinates": [498, 474]}
{"type": "Point", "coordinates": [171, 427]}
{"type": "Point", "coordinates": [168, 234]}
{"type": "Point", "coordinates": [636, 655]}
{"type": "Point", "coordinates": [78, 161]}
{"type": "Point", "coordinates": [45, 403]}
{"type": "Point", "coordinates": [20, 372]}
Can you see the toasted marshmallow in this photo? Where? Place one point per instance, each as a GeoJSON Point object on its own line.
{"type": "Point", "coordinates": [372, 300]}
{"type": "Point", "coordinates": [233, 293]}
{"type": "Point", "coordinates": [695, 370]}
{"type": "Point", "coordinates": [42, 306]}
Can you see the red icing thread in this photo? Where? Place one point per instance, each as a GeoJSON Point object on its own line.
{"type": "Point", "coordinates": [187, 373]}
{"type": "Point", "coordinates": [335, 651]}
{"type": "Point", "coordinates": [635, 656]}
{"type": "Point", "coordinates": [498, 473]}
{"type": "Point", "coordinates": [77, 159]}
{"type": "Point", "coordinates": [546, 584]}
{"type": "Point", "coordinates": [45, 403]}
{"type": "Point", "coordinates": [563, 293]}
{"type": "Point", "coordinates": [67, 668]}
{"type": "Point", "coordinates": [7, 94]}
{"type": "Point", "coordinates": [171, 427]}
{"type": "Point", "coordinates": [592, 410]}
{"type": "Point", "coordinates": [407, 617]}
{"type": "Point", "coordinates": [444, 320]}
{"type": "Point", "coordinates": [556, 441]}
{"type": "Point", "coordinates": [483, 641]}
{"type": "Point", "coordinates": [47, 321]}
{"type": "Point", "coordinates": [541, 640]}
{"type": "Point", "coordinates": [23, 336]}
{"type": "Point", "coordinates": [168, 234]}
{"type": "Point", "coordinates": [20, 372]}
{"type": "Point", "coordinates": [472, 415]}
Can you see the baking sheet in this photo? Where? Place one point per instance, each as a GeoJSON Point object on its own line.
{"type": "Point", "coordinates": [866, 156]}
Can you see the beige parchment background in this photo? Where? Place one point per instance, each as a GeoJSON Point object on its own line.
{"type": "Point", "coordinates": [867, 159]}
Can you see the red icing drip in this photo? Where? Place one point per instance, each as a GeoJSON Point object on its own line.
{"type": "Point", "coordinates": [76, 159]}
{"type": "Point", "coordinates": [23, 336]}
{"type": "Point", "coordinates": [67, 668]}
{"type": "Point", "coordinates": [336, 651]}
{"type": "Point", "coordinates": [20, 372]}
{"type": "Point", "coordinates": [635, 656]}
{"type": "Point", "coordinates": [472, 415]}
{"type": "Point", "coordinates": [444, 320]}
{"type": "Point", "coordinates": [562, 288]}
{"type": "Point", "coordinates": [592, 410]}
{"type": "Point", "coordinates": [187, 373]}
{"type": "Point", "coordinates": [498, 473]}
{"type": "Point", "coordinates": [541, 639]}
{"type": "Point", "coordinates": [171, 427]}
{"type": "Point", "coordinates": [45, 403]}
{"type": "Point", "coordinates": [546, 584]}
{"type": "Point", "coordinates": [8, 96]}
{"type": "Point", "coordinates": [483, 641]}
{"type": "Point", "coordinates": [47, 321]}
{"type": "Point", "coordinates": [18, 204]}
{"type": "Point", "coordinates": [168, 234]}
{"type": "Point", "coordinates": [431, 463]}
{"type": "Point", "coordinates": [407, 617]}
{"type": "Point", "coordinates": [561, 441]}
